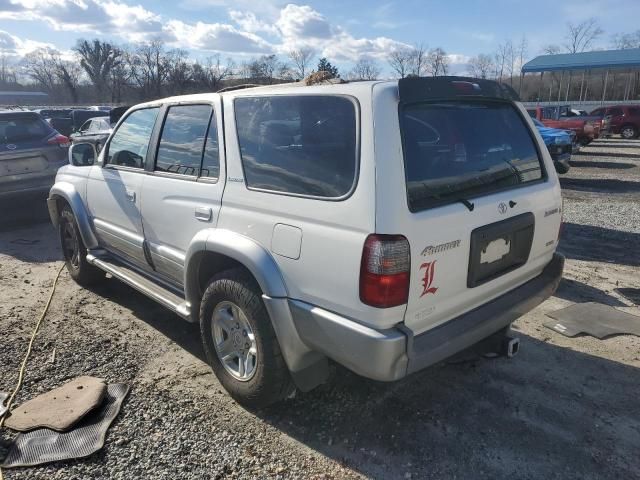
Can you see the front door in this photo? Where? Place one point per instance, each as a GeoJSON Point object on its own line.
{"type": "Point", "coordinates": [114, 187]}
{"type": "Point", "coordinates": [183, 188]}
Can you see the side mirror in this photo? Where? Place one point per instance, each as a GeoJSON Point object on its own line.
{"type": "Point", "coordinates": [82, 154]}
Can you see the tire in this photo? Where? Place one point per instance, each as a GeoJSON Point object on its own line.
{"type": "Point", "coordinates": [628, 132]}
{"type": "Point", "coordinates": [232, 299]}
{"type": "Point", "coordinates": [75, 252]}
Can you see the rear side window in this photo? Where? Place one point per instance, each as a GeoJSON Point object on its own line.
{"type": "Point", "coordinates": [129, 145]}
{"type": "Point", "coordinates": [182, 139]}
{"type": "Point", "coordinates": [22, 128]}
{"type": "Point", "coordinates": [616, 112]}
{"type": "Point", "coordinates": [634, 111]}
{"type": "Point", "coordinates": [461, 149]}
{"type": "Point", "coordinates": [303, 145]}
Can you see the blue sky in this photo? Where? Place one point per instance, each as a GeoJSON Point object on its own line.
{"type": "Point", "coordinates": [342, 30]}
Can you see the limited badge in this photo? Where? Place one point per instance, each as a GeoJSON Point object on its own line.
{"type": "Point", "coordinates": [427, 280]}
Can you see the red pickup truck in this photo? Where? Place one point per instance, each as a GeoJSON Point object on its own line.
{"type": "Point", "coordinates": [624, 120]}
{"type": "Point", "coordinates": [586, 130]}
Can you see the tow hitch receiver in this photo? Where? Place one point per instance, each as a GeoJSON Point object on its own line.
{"type": "Point", "coordinates": [510, 346]}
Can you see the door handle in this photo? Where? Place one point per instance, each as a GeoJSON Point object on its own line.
{"type": "Point", "coordinates": [203, 213]}
{"type": "Point", "coordinates": [131, 195]}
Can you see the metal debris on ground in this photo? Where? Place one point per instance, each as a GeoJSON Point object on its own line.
{"type": "Point", "coordinates": [59, 409]}
{"type": "Point", "coordinates": [594, 319]}
{"type": "Point", "coordinates": [44, 445]}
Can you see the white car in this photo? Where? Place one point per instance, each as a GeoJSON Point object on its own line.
{"type": "Point", "coordinates": [382, 225]}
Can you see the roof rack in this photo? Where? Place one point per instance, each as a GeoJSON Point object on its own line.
{"type": "Point", "coordinates": [239, 87]}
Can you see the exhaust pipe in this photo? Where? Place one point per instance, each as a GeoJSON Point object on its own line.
{"type": "Point", "coordinates": [510, 346]}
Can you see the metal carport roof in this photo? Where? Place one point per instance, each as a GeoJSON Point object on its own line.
{"type": "Point", "coordinates": [609, 59]}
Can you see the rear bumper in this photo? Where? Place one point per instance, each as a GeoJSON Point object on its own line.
{"type": "Point", "coordinates": [391, 354]}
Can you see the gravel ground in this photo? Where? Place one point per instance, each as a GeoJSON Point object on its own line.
{"type": "Point", "coordinates": [564, 408]}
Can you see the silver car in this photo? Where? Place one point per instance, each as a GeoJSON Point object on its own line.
{"type": "Point", "coordinates": [31, 152]}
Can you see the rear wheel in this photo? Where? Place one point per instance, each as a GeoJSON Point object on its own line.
{"type": "Point", "coordinates": [628, 132]}
{"type": "Point", "coordinates": [239, 340]}
{"type": "Point", "coordinates": [74, 251]}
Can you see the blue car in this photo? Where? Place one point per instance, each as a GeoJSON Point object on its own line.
{"type": "Point", "coordinates": [560, 144]}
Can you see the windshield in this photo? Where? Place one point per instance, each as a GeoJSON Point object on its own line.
{"type": "Point", "coordinates": [460, 149]}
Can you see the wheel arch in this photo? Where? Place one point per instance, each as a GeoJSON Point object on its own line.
{"type": "Point", "coordinates": [215, 250]}
{"type": "Point", "coordinates": [65, 193]}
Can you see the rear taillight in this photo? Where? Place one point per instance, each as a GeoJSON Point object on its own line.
{"type": "Point", "coordinates": [384, 272]}
{"type": "Point", "coordinates": [59, 140]}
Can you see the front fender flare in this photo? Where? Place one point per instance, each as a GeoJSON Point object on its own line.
{"type": "Point", "coordinates": [67, 192]}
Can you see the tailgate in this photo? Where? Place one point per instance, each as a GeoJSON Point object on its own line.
{"type": "Point", "coordinates": [482, 207]}
{"type": "Point", "coordinates": [21, 163]}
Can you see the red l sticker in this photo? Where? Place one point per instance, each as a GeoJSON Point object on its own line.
{"type": "Point", "coordinates": [427, 281]}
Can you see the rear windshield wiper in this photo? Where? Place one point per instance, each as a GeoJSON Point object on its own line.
{"type": "Point", "coordinates": [466, 203]}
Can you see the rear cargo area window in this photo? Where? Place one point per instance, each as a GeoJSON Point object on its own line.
{"type": "Point", "coordinates": [302, 145]}
{"type": "Point", "coordinates": [463, 149]}
{"type": "Point", "coordinates": [22, 128]}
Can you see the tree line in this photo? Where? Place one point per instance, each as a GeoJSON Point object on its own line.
{"type": "Point", "coordinates": [103, 72]}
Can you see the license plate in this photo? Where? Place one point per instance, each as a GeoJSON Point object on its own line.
{"type": "Point", "coordinates": [499, 248]}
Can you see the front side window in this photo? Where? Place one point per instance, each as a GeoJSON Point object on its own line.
{"type": "Point", "coordinates": [305, 145]}
{"type": "Point", "coordinates": [461, 149]}
{"type": "Point", "coordinates": [616, 112]}
{"type": "Point", "coordinates": [128, 146]}
{"type": "Point", "coordinates": [182, 139]}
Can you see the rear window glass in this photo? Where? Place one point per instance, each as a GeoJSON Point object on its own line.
{"type": "Point", "coordinates": [14, 129]}
{"type": "Point", "coordinates": [303, 145]}
{"type": "Point", "coordinates": [462, 149]}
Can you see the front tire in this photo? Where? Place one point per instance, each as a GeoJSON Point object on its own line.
{"type": "Point", "coordinates": [75, 252]}
{"type": "Point", "coordinates": [628, 132]}
{"type": "Point", "coordinates": [239, 341]}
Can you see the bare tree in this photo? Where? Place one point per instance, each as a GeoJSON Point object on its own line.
{"type": "Point", "coordinates": [40, 66]}
{"type": "Point", "coordinates": [148, 66]}
{"type": "Point", "coordinates": [179, 71]}
{"type": "Point", "coordinates": [623, 41]}
{"type": "Point", "coordinates": [68, 74]}
{"type": "Point", "coordinates": [522, 48]}
{"type": "Point", "coordinates": [481, 66]}
{"type": "Point", "coordinates": [301, 59]}
{"type": "Point", "coordinates": [419, 61]}
{"type": "Point", "coordinates": [551, 49]}
{"type": "Point", "coordinates": [437, 62]}
{"type": "Point", "coordinates": [580, 37]}
{"type": "Point", "coordinates": [98, 59]}
{"type": "Point", "coordinates": [400, 61]}
{"type": "Point", "coordinates": [365, 69]}
{"type": "Point", "coordinates": [212, 73]}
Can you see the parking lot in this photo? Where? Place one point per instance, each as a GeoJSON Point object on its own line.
{"type": "Point", "coordinates": [563, 408]}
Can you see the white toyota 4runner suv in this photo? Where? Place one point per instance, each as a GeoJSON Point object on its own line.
{"type": "Point", "coordinates": [383, 225]}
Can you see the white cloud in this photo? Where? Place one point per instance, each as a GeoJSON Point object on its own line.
{"type": "Point", "coordinates": [14, 47]}
{"type": "Point", "coordinates": [253, 31]}
{"type": "Point", "coordinates": [302, 26]}
{"type": "Point", "coordinates": [216, 37]}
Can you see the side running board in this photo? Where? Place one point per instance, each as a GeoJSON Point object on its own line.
{"type": "Point", "coordinates": [143, 284]}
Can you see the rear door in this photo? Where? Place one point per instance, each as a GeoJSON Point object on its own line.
{"type": "Point", "coordinates": [114, 188]}
{"type": "Point", "coordinates": [481, 206]}
{"type": "Point", "coordinates": [183, 188]}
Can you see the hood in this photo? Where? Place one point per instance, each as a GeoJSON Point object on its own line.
{"type": "Point", "coordinates": [554, 135]}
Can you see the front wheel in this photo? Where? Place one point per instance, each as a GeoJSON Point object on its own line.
{"type": "Point", "coordinates": [74, 251]}
{"type": "Point", "coordinates": [239, 341]}
{"type": "Point", "coordinates": [628, 132]}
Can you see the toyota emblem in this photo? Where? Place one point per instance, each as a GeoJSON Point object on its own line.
{"type": "Point", "coordinates": [11, 146]}
{"type": "Point", "coordinates": [502, 208]}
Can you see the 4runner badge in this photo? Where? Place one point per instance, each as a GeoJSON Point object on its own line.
{"type": "Point", "coordinates": [427, 280]}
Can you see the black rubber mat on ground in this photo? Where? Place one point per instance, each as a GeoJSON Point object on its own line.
{"type": "Point", "coordinates": [594, 319]}
{"type": "Point", "coordinates": [44, 445]}
{"type": "Point", "coordinates": [631, 294]}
